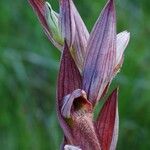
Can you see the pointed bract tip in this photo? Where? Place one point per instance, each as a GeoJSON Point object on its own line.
{"type": "Point", "coordinates": [36, 4]}
{"type": "Point", "coordinates": [67, 22]}
{"type": "Point", "coordinates": [115, 91]}
{"type": "Point", "coordinates": [125, 34]}
{"type": "Point", "coordinates": [111, 5]}
{"type": "Point", "coordinates": [122, 42]}
{"type": "Point", "coordinates": [48, 6]}
{"type": "Point", "coordinates": [111, 2]}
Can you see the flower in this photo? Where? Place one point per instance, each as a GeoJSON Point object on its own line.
{"type": "Point", "coordinates": [88, 64]}
{"type": "Point", "coordinates": [75, 110]}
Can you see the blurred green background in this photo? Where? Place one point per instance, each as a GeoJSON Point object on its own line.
{"type": "Point", "coordinates": [29, 66]}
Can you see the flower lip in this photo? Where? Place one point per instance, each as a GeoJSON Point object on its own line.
{"type": "Point", "coordinates": [71, 147]}
{"type": "Point", "coordinates": [74, 102]}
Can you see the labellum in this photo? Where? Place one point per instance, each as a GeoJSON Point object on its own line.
{"type": "Point", "coordinates": [70, 147]}
{"type": "Point", "coordinates": [88, 64]}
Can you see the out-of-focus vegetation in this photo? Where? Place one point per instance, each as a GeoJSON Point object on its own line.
{"type": "Point", "coordinates": [29, 66]}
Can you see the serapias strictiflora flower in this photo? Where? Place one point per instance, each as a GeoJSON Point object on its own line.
{"type": "Point", "coordinates": [75, 111]}
{"type": "Point", "coordinates": [76, 34]}
{"type": "Point", "coordinates": [88, 65]}
{"type": "Point", "coordinates": [78, 94]}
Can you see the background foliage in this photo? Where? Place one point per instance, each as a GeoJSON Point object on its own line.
{"type": "Point", "coordinates": [29, 66]}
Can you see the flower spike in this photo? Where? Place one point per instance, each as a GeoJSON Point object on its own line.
{"type": "Point", "coordinates": [101, 54]}
{"type": "Point", "coordinates": [88, 65]}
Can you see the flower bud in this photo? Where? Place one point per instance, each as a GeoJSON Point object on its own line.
{"type": "Point", "coordinates": [52, 21]}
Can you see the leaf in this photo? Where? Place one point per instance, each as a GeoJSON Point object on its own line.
{"type": "Point", "coordinates": [101, 54]}
{"type": "Point", "coordinates": [69, 79]}
{"type": "Point", "coordinates": [66, 20]}
{"type": "Point", "coordinates": [39, 8]}
{"type": "Point", "coordinates": [107, 123]}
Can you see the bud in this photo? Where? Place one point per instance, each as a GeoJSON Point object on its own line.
{"type": "Point", "coordinates": [52, 21]}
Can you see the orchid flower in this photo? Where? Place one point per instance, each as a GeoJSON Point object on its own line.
{"type": "Point", "coordinates": [88, 64]}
